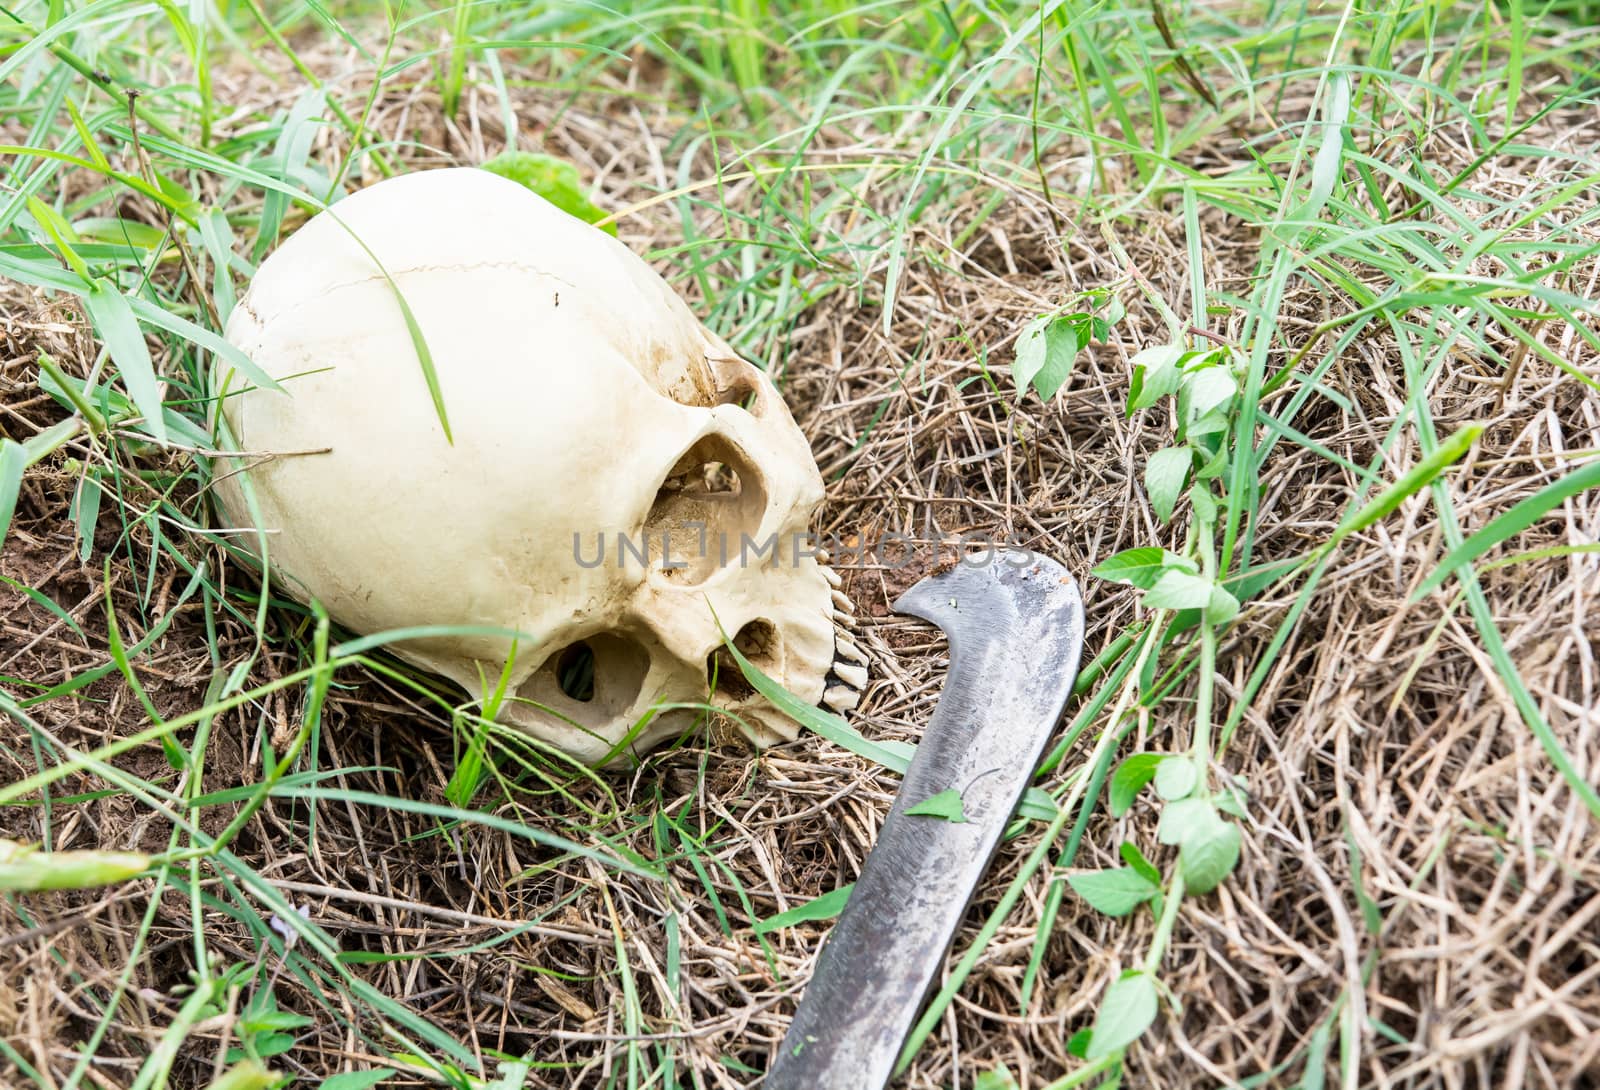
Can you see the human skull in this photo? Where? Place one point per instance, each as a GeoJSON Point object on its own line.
{"type": "Point", "coordinates": [616, 482]}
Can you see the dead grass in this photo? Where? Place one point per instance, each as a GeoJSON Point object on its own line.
{"type": "Point", "coordinates": [1385, 763]}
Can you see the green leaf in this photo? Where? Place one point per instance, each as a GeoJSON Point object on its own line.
{"type": "Point", "coordinates": [202, 337]}
{"type": "Point", "coordinates": [1223, 606]}
{"type": "Point", "coordinates": [1164, 476]}
{"type": "Point", "coordinates": [113, 319]}
{"type": "Point", "coordinates": [946, 804]}
{"type": "Point", "coordinates": [1371, 914]}
{"type": "Point", "coordinates": [1132, 856]}
{"type": "Point", "coordinates": [60, 232]}
{"type": "Point", "coordinates": [250, 1075]}
{"type": "Point", "coordinates": [266, 1045]}
{"type": "Point", "coordinates": [1179, 590]}
{"type": "Point", "coordinates": [514, 1075]}
{"type": "Point", "coordinates": [84, 512]}
{"type": "Point", "coordinates": [1230, 799]}
{"type": "Point", "coordinates": [1208, 856]}
{"type": "Point", "coordinates": [1066, 337]}
{"type": "Point", "coordinates": [1176, 778]}
{"type": "Point", "coordinates": [272, 1020]}
{"type": "Point", "coordinates": [1316, 1069]}
{"type": "Point", "coordinates": [1214, 466]}
{"type": "Point", "coordinates": [1126, 1012]}
{"type": "Point", "coordinates": [1325, 167]}
{"type": "Point", "coordinates": [52, 439]}
{"type": "Point", "coordinates": [620, 857]}
{"type": "Point", "coordinates": [1037, 804]}
{"type": "Point", "coordinates": [273, 1044]}
{"type": "Point", "coordinates": [1129, 779]}
{"type": "Point", "coordinates": [1115, 892]}
{"type": "Point", "coordinates": [419, 343]}
{"type": "Point", "coordinates": [1207, 389]}
{"type": "Point", "coordinates": [1155, 375]}
{"type": "Point", "coordinates": [13, 460]}
{"type": "Point", "coordinates": [826, 907]}
{"type": "Point", "coordinates": [1046, 349]}
{"type": "Point", "coordinates": [290, 153]}
{"type": "Point", "coordinates": [1185, 818]}
{"type": "Point", "coordinates": [217, 238]}
{"type": "Point", "coordinates": [1140, 567]}
{"type": "Point", "coordinates": [1517, 519]}
{"type": "Point", "coordinates": [74, 394]}
{"type": "Point", "coordinates": [357, 1080]}
{"type": "Point", "coordinates": [125, 234]}
{"type": "Point", "coordinates": [25, 868]}
{"type": "Point", "coordinates": [1212, 423]}
{"type": "Point", "coordinates": [556, 180]}
{"type": "Point", "coordinates": [1078, 1043]}
{"type": "Point", "coordinates": [1000, 1078]}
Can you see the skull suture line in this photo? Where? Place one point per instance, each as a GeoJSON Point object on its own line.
{"type": "Point", "coordinates": [588, 406]}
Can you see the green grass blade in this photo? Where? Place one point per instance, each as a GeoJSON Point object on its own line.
{"type": "Point", "coordinates": [1521, 516]}
{"type": "Point", "coordinates": [1410, 483]}
{"type": "Point", "coordinates": [626, 861]}
{"type": "Point", "coordinates": [13, 460]}
{"type": "Point", "coordinates": [112, 316]}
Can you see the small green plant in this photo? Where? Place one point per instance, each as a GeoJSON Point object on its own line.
{"type": "Point", "coordinates": [556, 180]}
{"type": "Point", "coordinates": [264, 1030]}
{"type": "Point", "coordinates": [1048, 346]}
{"type": "Point", "coordinates": [1203, 385]}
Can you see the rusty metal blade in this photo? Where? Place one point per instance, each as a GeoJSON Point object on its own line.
{"type": "Point", "coordinates": [1015, 626]}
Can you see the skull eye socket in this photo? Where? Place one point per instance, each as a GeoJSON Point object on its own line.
{"type": "Point", "coordinates": [757, 642]}
{"type": "Point", "coordinates": [707, 514]}
{"type": "Point", "coordinates": [590, 681]}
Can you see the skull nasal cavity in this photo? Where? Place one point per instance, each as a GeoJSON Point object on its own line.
{"type": "Point", "coordinates": [744, 393]}
{"type": "Point", "coordinates": [575, 672]}
{"type": "Point", "coordinates": [758, 643]}
{"type": "Point", "coordinates": [707, 515]}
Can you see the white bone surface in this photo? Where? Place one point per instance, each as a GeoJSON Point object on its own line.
{"type": "Point", "coordinates": [580, 389]}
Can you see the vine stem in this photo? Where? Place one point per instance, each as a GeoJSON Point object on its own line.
{"type": "Point", "coordinates": [1199, 749]}
{"type": "Point", "coordinates": [1204, 542]}
{"type": "Point", "coordinates": [1036, 858]}
{"type": "Point", "coordinates": [1172, 901]}
{"type": "Point", "coordinates": [1205, 684]}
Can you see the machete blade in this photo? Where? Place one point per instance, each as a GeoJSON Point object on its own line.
{"type": "Point", "coordinates": [1015, 626]}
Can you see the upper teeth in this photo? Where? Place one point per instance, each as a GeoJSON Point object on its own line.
{"type": "Point", "coordinates": [850, 662]}
{"type": "Point", "coordinates": [851, 675]}
{"type": "Point", "coordinates": [841, 698]}
{"type": "Point", "coordinates": [847, 648]}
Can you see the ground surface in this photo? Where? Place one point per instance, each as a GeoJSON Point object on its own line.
{"type": "Point", "coordinates": [1418, 893]}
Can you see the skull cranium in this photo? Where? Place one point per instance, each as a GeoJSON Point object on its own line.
{"type": "Point", "coordinates": [621, 486]}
